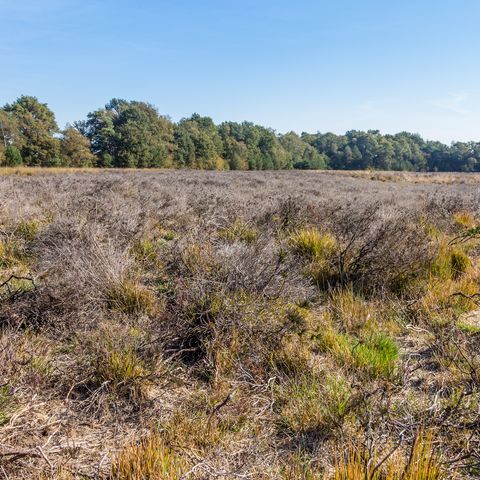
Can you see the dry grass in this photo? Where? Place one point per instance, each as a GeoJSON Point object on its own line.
{"type": "Point", "coordinates": [265, 325]}
{"type": "Point", "coordinates": [422, 463]}
{"type": "Point", "coordinates": [149, 458]}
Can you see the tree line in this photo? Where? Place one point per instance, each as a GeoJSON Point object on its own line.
{"type": "Point", "coordinates": [132, 134]}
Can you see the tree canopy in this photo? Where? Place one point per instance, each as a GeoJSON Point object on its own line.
{"type": "Point", "coordinates": [133, 134]}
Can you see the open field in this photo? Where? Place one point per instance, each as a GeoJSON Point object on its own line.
{"type": "Point", "coordinates": [265, 325]}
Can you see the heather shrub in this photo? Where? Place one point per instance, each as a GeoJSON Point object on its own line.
{"type": "Point", "coordinates": [269, 325]}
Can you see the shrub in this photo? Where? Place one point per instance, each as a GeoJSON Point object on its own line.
{"type": "Point", "coordinates": [382, 250]}
{"type": "Point", "coordinates": [13, 157]}
{"type": "Point", "coordinates": [105, 161]}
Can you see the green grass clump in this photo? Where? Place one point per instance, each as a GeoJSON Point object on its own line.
{"type": "Point", "coordinates": [312, 243]}
{"type": "Point", "coordinates": [352, 311]}
{"type": "Point", "coordinates": [375, 355]}
{"type": "Point", "coordinates": [122, 370]}
{"type": "Point", "coordinates": [144, 250]}
{"type": "Point", "coordinates": [131, 298]}
{"type": "Point", "coordinates": [239, 231]}
{"type": "Point", "coordinates": [468, 327]}
{"type": "Point", "coordinates": [310, 404]}
{"type": "Point", "coordinates": [337, 344]}
{"type": "Point", "coordinates": [27, 229]}
{"type": "Point", "coordinates": [12, 254]}
{"type": "Point", "coordinates": [166, 235]}
{"type": "Point", "coordinates": [464, 219]}
{"type": "Point", "coordinates": [450, 263]}
{"type": "Point", "coordinates": [319, 249]}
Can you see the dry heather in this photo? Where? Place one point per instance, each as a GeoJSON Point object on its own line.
{"type": "Point", "coordinates": [197, 325]}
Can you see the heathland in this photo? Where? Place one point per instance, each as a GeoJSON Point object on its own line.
{"type": "Point", "coordinates": [184, 324]}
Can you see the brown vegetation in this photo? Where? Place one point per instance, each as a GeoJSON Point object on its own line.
{"type": "Point", "coordinates": [281, 325]}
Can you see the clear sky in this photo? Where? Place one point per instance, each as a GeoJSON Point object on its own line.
{"type": "Point", "coordinates": [304, 65]}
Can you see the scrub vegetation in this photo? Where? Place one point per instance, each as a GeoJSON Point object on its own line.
{"type": "Point", "coordinates": [220, 325]}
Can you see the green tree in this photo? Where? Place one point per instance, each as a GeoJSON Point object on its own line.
{"type": "Point", "coordinates": [200, 144]}
{"type": "Point", "coordinates": [13, 157]}
{"type": "Point", "coordinates": [75, 149]}
{"type": "Point", "coordinates": [36, 126]}
{"type": "Point", "coordinates": [132, 133]}
{"type": "Point", "coordinates": [300, 154]}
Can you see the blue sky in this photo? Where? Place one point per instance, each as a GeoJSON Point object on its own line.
{"type": "Point", "coordinates": [299, 65]}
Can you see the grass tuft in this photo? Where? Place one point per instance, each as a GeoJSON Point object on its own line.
{"type": "Point", "coordinates": [148, 459]}
{"type": "Point", "coordinates": [450, 263]}
{"type": "Point", "coordinates": [131, 298]}
{"type": "Point", "coordinates": [422, 463]}
{"type": "Point", "coordinates": [375, 355]}
{"type": "Point", "coordinates": [239, 231]}
{"type": "Point", "coordinates": [319, 249]}
{"type": "Point", "coordinates": [313, 244]}
{"type": "Point", "coordinates": [311, 404]}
